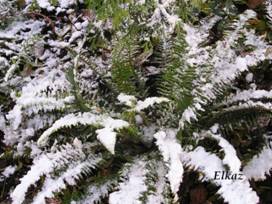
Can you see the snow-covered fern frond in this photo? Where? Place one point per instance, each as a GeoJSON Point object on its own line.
{"type": "Point", "coordinates": [227, 65]}
{"type": "Point", "coordinates": [246, 95]}
{"type": "Point", "coordinates": [96, 192]}
{"type": "Point", "coordinates": [135, 101]}
{"type": "Point", "coordinates": [44, 165]}
{"type": "Point", "coordinates": [138, 106]}
{"type": "Point", "coordinates": [159, 181]}
{"type": "Point", "coordinates": [259, 166]}
{"type": "Point", "coordinates": [133, 184]}
{"type": "Point", "coordinates": [232, 191]}
{"type": "Point", "coordinates": [230, 158]}
{"type": "Point", "coordinates": [106, 135]}
{"type": "Point", "coordinates": [171, 151]}
{"type": "Point", "coordinates": [268, 5]}
{"type": "Point", "coordinates": [68, 178]}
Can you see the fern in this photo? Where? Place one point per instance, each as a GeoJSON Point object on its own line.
{"type": "Point", "coordinates": [134, 101]}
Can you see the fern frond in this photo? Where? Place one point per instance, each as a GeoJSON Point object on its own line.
{"type": "Point", "coordinates": [44, 165]}
{"type": "Point", "coordinates": [222, 77]}
{"type": "Point", "coordinates": [96, 192]}
{"type": "Point", "coordinates": [138, 106]}
{"type": "Point", "coordinates": [158, 183]}
{"type": "Point", "coordinates": [246, 95]}
{"type": "Point", "coordinates": [247, 112]}
{"type": "Point", "coordinates": [208, 163]}
{"type": "Point", "coordinates": [69, 177]}
{"type": "Point", "coordinates": [43, 94]}
{"type": "Point", "coordinates": [230, 158]}
{"type": "Point", "coordinates": [105, 135]}
{"type": "Point", "coordinates": [171, 152]}
{"type": "Point", "coordinates": [133, 183]}
{"type": "Point", "coordinates": [268, 5]}
{"type": "Point", "coordinates": [259, 166]}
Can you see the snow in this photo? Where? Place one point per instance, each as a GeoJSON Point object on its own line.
{"type": "Point", "coordinates": [149, 102]}
{"type": "Point", "coordinates": [58, 44]}
{"type": "Point", "coordinates": [70, 176]}
{"type": "Point", "coordinates": [232, 191]}
{"type": "Point", "coordinates": [43, 4]}
{"type": "Point", "coordinates": [10, 71]}
{"type": "Point", "coordinates": [96, 192]}
{"type": "Point", "coordinates": [157, 196]}
{"type": "Point", "coordinates": [137, 106]}
{"type": "Point", "coordinates": [13, 30]}
{"type": "Point", "coordinates": [259, 166]}
{"type": "Point", "coordinates": [3, 63]}
{"type": "Point", "coordinates": [106, 135]}
{"type": "Point", "coordinates": [140, 2]}
{"type": "Point", "coordinates": [138, 119]}
{"type": "Point", "coordinates": [40, 167]}
{"type": "Point", "coordinates": [75, 35]}
{"type": "Point", "coordinates": [130, 190]}
{"type": "Point", "coordinates": [171, 152]}
{"type": "Point", "coordinates": [43, 103]}
{"type": "Point", "coordinates": [9, 170]}
{"type": "Point", "coordinates": [128, 100]}
{"type": "Point", "coordinates": [187, 115]}
{"type": "Point", "coordinates": [2, 119]}
{"type": "Point", "coordinates": [160, 13]}
{"type": "Point", "coordinates": [268, 5]}
{"type": "Point", "coordinates": [231, 159]}
{"type": "Point", "coordinates": [15, 115]}
{"type": "Point", "coordinates": [111, 123]}
{"type": "Point", "coordinates": [247, 95]}
{"type": "Point", "coordinates": [66, 3]}
{"type": "Point", "coordinates": [148, 133]}
{"type": "Point", "coordinates": [249, 77]}
{"type": "Point", "coordinates": [44, 165]}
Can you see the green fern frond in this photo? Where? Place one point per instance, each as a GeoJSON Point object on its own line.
{"type": "Point", "coordinates": [234, 115]}
{"type": "Point", "coordinates": [79, 101]}
{"type": "Point", "coordinates": [177, 80]}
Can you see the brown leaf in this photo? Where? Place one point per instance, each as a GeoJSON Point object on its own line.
{"type": "Point", "coordinates": [254, 3]}
{"type": "Point", "coordinates": [52, 201]}
{"type": "Point", "coordinates": [21, 3]}
{"type": "Point", "coordinates": [198, 195]}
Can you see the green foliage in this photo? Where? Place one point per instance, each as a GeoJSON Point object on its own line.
{"type": "Point", "coordinates": [178, 76]}
{"type": "Point", "coordinates": [109, 9]}
{"type": "Point", "coordinates": [232, 116]}
{"type": "Point", "coordinates": [123, 76]}
{"type": "Point", "coordinates": [79, 101]}
{"type": "Point", "coordinates": [128, 48]}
